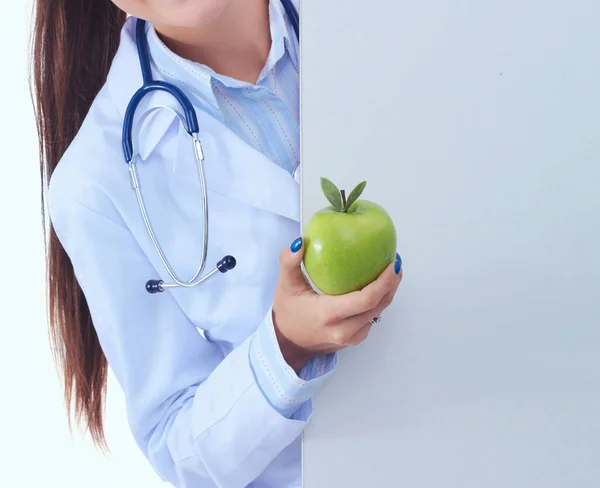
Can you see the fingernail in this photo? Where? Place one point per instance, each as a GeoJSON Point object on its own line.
{"type": "Point", "coordinates": [397, 266]}
{"type": "Point", "coordinates": [398, 258]}
{"type": "Point", "coordinates": [296, 245]}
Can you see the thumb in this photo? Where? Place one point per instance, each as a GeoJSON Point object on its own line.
{"type": "Point", "coordinates": [290, 259]}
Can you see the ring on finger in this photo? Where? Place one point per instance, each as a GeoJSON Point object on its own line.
{"type": "Point", "coordinates": [375, 320]}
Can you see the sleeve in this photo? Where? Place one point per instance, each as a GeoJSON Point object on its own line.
{"type": "Point", "coordinates": [200, 418]}
{"type": "Point", "coordinates": [282, 387]}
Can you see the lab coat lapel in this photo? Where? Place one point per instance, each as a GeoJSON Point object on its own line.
{"type": "Point", "coordinates": [233, 168]}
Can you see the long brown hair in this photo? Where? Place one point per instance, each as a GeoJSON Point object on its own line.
{"type": "Point", "coordinates": [72, 46]}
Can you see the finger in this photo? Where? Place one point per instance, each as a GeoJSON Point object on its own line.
{"type": "Point", "coordinates": [290, 259]}
{"type": "Point", "coordinates": [360, 335]}
{"type": "Point", "coordinates": [357, 302]}
{"type": "Point", "coordinates": [354, 323]}
{"type": "Point", "coordinates": [345, 337]}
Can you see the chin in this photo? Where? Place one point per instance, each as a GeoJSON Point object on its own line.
{"type": "Point", "coordinates": [192, 13]}
{"type": "Point", "coordinates": [179, 13]}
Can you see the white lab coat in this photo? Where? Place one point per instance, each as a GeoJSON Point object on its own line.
{"type": "Point", "coordinates": [193, 404]}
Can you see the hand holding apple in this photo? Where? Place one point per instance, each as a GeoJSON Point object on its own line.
{"type": "Point", "coordinates": [308, 324]}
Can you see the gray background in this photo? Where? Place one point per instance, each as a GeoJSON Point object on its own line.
{"type": "Point", "coordinates": [477, 126]}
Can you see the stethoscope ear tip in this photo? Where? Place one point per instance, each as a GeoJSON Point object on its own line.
{"type": "Point", "coordinates": [226, 264]}
{"type": "Point", "coordinates": [154, 286]}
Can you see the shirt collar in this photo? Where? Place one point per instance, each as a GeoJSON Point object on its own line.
{"type": "Point", "coordinates": [282, 32]}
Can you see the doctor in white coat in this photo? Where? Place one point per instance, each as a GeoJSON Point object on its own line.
{"type": "Point", "coordinates": [218, 378]}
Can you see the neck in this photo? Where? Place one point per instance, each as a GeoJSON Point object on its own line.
{"type": "Point", "coordinates": [235, 44]}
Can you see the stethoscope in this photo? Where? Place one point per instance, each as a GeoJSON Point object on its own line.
{"type": "Point", "coordinates": [190, 122]}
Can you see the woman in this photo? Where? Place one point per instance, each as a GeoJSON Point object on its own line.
{"type": "Point", "coordinates": [218, 378]}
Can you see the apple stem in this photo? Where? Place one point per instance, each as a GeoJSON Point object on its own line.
{"type": "Point", "coordinates": [343, 192]}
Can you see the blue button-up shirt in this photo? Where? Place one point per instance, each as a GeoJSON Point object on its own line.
{"type": "Point", "coordinates": [266, 116]}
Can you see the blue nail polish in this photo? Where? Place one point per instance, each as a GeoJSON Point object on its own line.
{"type": "Point", "coordinates": [296, 245]}
{"type": "Point", "coordinates": [397, 267]}
{"type": "Point", "coordinates": [399, 259]}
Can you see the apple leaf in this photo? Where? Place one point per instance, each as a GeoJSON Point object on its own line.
{"type": "Point", "coordinates": [332, 193]}
{"type": "Point", "coordinates": [354, 194]}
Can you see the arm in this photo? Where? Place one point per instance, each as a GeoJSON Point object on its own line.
{"type": "Point", "coordinates": [201, 419]}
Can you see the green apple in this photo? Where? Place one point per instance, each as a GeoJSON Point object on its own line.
{"type": "Point", "coordinates": [349, 243]}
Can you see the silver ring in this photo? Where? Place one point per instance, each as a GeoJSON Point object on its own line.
{"type": "Point", "coordinates": [375, 320]}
